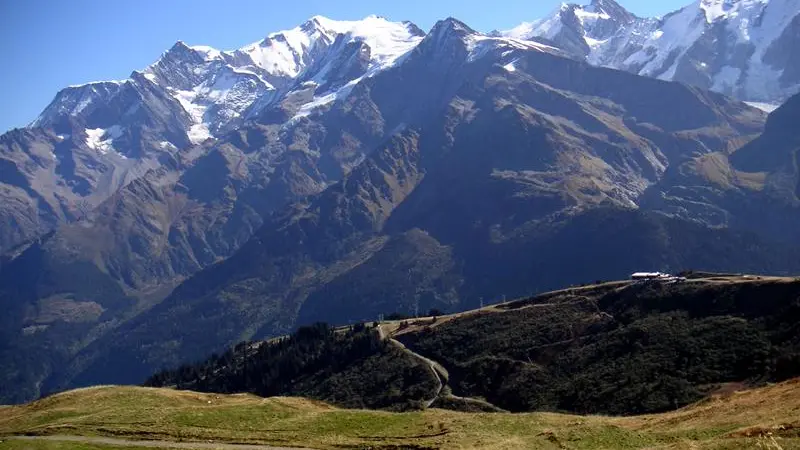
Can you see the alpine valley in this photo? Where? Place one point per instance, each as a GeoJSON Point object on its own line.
{"type": "Point", "coordinates": [346, 169]}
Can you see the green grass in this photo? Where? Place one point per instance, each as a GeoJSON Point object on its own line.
{"type": "Point", "coordinates": [12, 444]}
{"type": "Point", "coordinates": [44, 445]}
{"type": "Point", "coordinates": [735, 421]}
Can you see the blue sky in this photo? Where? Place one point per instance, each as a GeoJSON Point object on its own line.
{"type": "Point", "coordinates": [46, 45]}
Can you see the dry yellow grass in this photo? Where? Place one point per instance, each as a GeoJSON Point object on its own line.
{"type": "Point", "coordinates": [763, 417]}
{"type": "Point", "coordinates": [773, 409]}
{"type": "Point", "coordinates": [716, 168]}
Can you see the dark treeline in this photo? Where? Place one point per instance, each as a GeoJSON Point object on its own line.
{"type": "Point", "coordinates": [643, 349]}
{"type": "Point", "coordinates": [609, 350]}
{"type": "Point", "coordinates": [350, 368]}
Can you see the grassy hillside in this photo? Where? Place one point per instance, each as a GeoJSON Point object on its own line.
{"type": "Point", "coordinates": [768, 417]}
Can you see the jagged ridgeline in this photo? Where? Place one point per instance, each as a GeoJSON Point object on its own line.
{"type": "Point", "coordinates": [738, 48]}
{"type": "Point", "coordinates": [613, 348]}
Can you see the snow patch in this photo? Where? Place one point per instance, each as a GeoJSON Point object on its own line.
{"type": "Point", "coordinates": [587, 16]}
{"type": "Point", "coordinates": [324, 100]}
{"type": "Point", "coordinates": [102, 139]}
{"type": "Point", "coordinates": [319, 102]}
{"type": "Point", "coordinates": [208, 53]}
{"type": "Point", "coordinates": [714, 9]}
{"type": "Point", "coordinates": [766, 107]}
{"type": "Point", "coordinates": [594, 43]}
{"type": "Point", "coordinates": [198, 131]}
{"type": "Point", "coordinates": [222, 97]}
{"type": "Point", "coordinates": [186, 99]}
{"type": "Point", "coordinates": [91, 83]}
{"type": "Point", "coordinates": [479, 45]}
{"type": "Point", "coordinates": [523, 31]}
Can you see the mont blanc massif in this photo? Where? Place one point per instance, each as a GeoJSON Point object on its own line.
{"type": "Point", "coordinates": [342, 170]}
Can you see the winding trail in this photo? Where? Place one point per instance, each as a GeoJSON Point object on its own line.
{"type": "Point", "coordinates": [433, 365]}
{"type": "Point", "coordinates": [149, 444]}
{"type": "Point", "coordinates": [439, 371]}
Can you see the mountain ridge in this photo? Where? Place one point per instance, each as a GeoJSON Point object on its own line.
{"type": "Point", "coordinates": [730, 47]}
{"type": "Point", "coordinates": [281, 56]}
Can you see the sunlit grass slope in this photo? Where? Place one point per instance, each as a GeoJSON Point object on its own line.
{"type": "Point", "coordinates": [768, 417]}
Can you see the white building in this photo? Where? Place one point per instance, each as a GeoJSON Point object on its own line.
{"type": "Point", "coordinates": [656, 276]}
{"type": "Point", "coordinates": [649, 276]}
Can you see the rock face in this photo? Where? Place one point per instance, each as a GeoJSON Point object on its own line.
{"type": "Point", "coordinates": [742, 48]}
{"type": "Point", "coordinates": [342, 170]}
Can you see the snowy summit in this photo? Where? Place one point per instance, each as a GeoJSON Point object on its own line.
{"type": "Point", "coordinates": [217, 90]}
{"type": "Point", "coordinates": [736, 47]}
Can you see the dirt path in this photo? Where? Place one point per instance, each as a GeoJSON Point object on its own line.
{"type": "Point", "coordinates": [439, 371]}
{"type": "Point", "coordinates": [433, 365]}
{"type": "Point", "coordinates": [150, 444]}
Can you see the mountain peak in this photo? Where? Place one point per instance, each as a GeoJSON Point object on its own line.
{"type": "Point", "coordinates": [448, 36]}
{"type": "Point", "coordinates": [74, 99]}
{"type": "Point", "coordinates": [318, 19]}
{"type": "Point", "coordinates": [613, 9]}
{"type": "Point", "coordinates": [182, 52]}
{"type": "Point", "coordinates": [179, 46]}
{"type": "Point", "coordinates": [413, 28]}
{"type": "Point", "coordinates": [369, 24]}
{"type": "Point", "coordinates": [314, 24]}
{"type": "Point", "coordinates": [450, 27]}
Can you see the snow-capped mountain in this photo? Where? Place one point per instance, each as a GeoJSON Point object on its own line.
{"type": "Point", "coordinates": [744, 48]}
{"type": "Point", "coordinates": [215, 91]}
{"type": "Point", "coordinates": [95, 138]}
